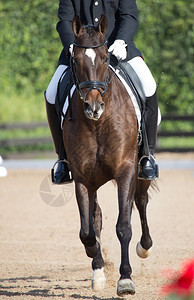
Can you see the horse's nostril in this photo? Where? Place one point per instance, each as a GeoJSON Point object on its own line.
{"type": "Point", "coordinates": [86, 105]}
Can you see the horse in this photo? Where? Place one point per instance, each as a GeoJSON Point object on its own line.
{"type": "Point", "coordinates": [102, 145]}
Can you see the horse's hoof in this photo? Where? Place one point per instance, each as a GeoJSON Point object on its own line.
{"type": "Point", "coordinates": [98, 280]}
{"type": "Point", "coordinates": [141, 252]}
{"type": "Point", "coordinates": [125, 287]}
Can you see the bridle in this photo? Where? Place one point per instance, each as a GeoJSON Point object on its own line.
{"type": "Point", "coordinates": [100, 86]}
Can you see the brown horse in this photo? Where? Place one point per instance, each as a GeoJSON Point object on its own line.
{"type": "Point", "coordinates": [101, 145]}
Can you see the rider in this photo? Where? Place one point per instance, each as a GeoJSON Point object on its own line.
{"type": "Point", "coordinates": [122, 26]}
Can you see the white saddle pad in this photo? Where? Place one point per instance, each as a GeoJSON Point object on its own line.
{"type": "Point", "coordinates": [133, 99]}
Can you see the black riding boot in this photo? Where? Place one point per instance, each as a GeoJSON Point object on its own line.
{"type": "Point", "coordinates": [62, 172]}
{"type": "Point", "coordinates": [148, 168]}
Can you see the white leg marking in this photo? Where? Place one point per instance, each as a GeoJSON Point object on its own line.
{"type": "Point", "coordinates": [98, 280]}
{"type": "Point", "coordinates": [91, 54]}
{"type": "Point", "coordinates": [141, 252]}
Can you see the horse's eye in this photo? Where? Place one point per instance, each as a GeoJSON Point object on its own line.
{"type": "Point", "coordinates": [106, 60]}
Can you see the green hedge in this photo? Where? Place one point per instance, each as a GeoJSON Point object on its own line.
{"type": "Point", "coordinates": [30, 47]}
{"type": "Point", "coordinates": [166, 37]}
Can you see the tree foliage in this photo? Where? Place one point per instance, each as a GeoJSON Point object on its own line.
{"type": "Point", "coordinates": [30, 47]}
{"type": "Point", "coordinates": [30, 43]}
{"type": "Point", "coordinates": [166, 37]}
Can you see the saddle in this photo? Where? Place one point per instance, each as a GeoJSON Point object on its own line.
{"type": "Point", "coordinates": [124, 69]}
{"type": "Point", "coordinates": [127, 72]}
{"type": "Point", "coordinates": [65, 84]}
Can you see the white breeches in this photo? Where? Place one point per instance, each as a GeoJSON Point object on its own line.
{"type": "Point", "coordinates": [138, 64]}
{"type": "Point", "coordinates": [51, 91]}
{"type": "Point", "coordinates": [144, 74]}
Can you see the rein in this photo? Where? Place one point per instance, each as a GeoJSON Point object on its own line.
{"type": "Point", "coordinates": [100, 86]}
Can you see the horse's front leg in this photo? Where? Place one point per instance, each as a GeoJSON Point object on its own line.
{"type": "Point", "coordinates": [85, 202]}
{"type": "Point", "coordinates": [141, 201]}
{"type": "Point", "coordinates": [91, 225]}
{"type": "Point", "coordinates": [126, 189]}
{"type": "Point", "coordinates": [98, 277]}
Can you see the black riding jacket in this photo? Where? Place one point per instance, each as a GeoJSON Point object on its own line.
{"type": "Point", "coordinates": [121, 15]}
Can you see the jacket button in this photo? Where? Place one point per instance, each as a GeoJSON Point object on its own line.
{"type": "Point", "coordinates": [96, 20]}
{"type": "Point", "coordinates": [96, 3]}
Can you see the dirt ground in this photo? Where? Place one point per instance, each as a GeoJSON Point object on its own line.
{"type": "Point", "coordinates": [41, 255]}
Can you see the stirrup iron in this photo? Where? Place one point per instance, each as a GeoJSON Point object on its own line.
{"type": "Point", "coordinates": [155, 168]}
{"type": "Point", "coordinates": [53, 169]}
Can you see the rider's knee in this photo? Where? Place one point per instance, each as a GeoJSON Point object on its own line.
{"type": "Point", "coordinates": [50, 96]}
{"type": "Point", "coordinates": [52, 87]}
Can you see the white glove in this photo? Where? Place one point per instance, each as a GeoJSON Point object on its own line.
{"type": "Point", "coordinates": [118, 49]}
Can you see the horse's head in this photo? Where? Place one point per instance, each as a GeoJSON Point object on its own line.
{"type": "Point", "coordinates": [90, 61]}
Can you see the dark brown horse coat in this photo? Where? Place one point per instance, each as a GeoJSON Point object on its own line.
{"type": "Point", "coordinates": [101, 145]}
{"type": "Point", "coordinates": [102, 150]}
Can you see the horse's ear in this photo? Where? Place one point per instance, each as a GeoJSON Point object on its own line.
{"type": "Point", "coordinates": [76, 25]}
{"type": "Point", "coordinates": [103, 24]}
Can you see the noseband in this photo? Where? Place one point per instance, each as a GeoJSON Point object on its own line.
{"type": "Point", "coordinates": [100, 86]}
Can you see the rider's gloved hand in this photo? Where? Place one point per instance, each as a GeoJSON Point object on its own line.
{"type": "Point", "coordinates": [118, 49]}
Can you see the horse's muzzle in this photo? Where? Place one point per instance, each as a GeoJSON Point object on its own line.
{"type": "Point", "coordinates": [94, 110]}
